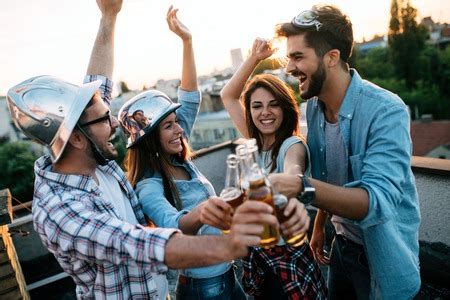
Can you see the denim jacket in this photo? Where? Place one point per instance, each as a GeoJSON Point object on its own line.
{"type": "Point", "coordinates": [150, 190]}
{"type": "Point", "coordinates": [375, 126]}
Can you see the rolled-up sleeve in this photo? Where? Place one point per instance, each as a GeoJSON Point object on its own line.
{"type": "Point", "coordinates": [190, 107]}
{"type": "Point", "coordinates": [155, 205]}
{"type": "Point", "coordinates": [105, 88]}
{"type": "Point", "coordinates": [383, 169]}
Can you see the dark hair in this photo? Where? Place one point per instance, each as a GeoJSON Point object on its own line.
{"type": "Point", "coordinates": [148, 155]}
{"type": "Point", "coordinates": [286, 100]}
{"type": "Point", "coordinates": [335, 33]}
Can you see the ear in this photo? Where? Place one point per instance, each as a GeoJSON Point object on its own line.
{"type": "Point", "coordinates": [77, 139]}
{"type": "Point", "coordinates": [332, 58]}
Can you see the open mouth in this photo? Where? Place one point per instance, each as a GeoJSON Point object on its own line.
{"type": "Point", "coordinates": [111, 138]}
{"type": "Point", "coordinates": [176, 141]}
{"type": "Point", "coordinates": [267, 121]}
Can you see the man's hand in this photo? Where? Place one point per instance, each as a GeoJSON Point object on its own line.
{"type": "Point", "coordinates": [217, 213]}
{"type": "Point", "coordinates": [176, 26]}
{"type": "Point", "coordinates": [109, 7]}
{"type": "Point", "coordinates": [298, 221]}
{"type": "Point", "coordinates": [316, 245]}
{"type": "Point", "coordinates": [286, 184]}
{"type": "Point", "coordinates": [247, 226]}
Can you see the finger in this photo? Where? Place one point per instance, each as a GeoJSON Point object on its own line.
{"type": "Point", "coordinates": [256, 218]}
{"type": "Point", "coordinates": [248, 241]}
{"type": "Point", "coordinates": [222, 204]}
{"type": "Point", "coordinates": [247, 229]}
{"type": "Point", "coordinates": [168, 11]}
{"type": "Point", "coordinates": [254, 207]}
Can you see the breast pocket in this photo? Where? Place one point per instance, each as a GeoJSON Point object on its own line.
{"type": "Point", "coordinates": [355, 166]}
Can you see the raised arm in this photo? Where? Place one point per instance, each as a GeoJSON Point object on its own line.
{"type": "Point", "coordinates": [232, 91]}
{"type": "Point", "coordinates": [189, 71]}
{"type": "Point", "coordinates": [102, 55]}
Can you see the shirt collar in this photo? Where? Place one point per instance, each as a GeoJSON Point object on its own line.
{"type": "Point", "coordinates": [43, 169]}
{"type": "Point", "coordinates": [351, 96]}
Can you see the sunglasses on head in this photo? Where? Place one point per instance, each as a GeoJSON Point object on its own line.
{"type": "Point", "coordinates": [108, 117]}
{"type": "Point", "coordinates": [307, 19]}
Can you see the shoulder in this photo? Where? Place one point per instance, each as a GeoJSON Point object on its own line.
{"type": "Point", "coordinates": [373, 94]}
{"type": "Point", "coordinates": [150, 185]}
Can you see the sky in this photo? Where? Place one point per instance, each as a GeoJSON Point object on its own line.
{"type": "Point", "coordinates": [55, 37]}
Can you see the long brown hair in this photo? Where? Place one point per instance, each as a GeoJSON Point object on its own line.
{"type": "Point", "coordinates": [286, 100]}
{"type": "Point", "coordinates": [148, 156]}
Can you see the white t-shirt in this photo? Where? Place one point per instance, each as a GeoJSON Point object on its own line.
{"type": "Point", "coordinates": [111, 190]}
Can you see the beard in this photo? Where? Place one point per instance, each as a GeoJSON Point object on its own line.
{"type": "Point", "coordinates": [106, 149]}
{"type": "Point", "coordinates": [315, 83]}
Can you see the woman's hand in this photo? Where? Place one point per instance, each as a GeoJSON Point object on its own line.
{"type": "Point", "coordinates": [176, 26]}
{"type": "Point", "coordinates": [262, 49]}
{"type": "Point", "coordinates": [217, 213]}
{"type": "Point", "coordinates": [316, 245]}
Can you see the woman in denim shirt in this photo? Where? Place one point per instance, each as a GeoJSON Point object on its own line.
{"type": "Point", "coordinates": [267, 111]}
{"type": "Point", "coordinates": [172, 191]}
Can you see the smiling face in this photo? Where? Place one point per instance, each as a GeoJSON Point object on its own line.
{"type": "Point", "coordinates": [266, 112]}
{"type": "Point", "coordinates": [171, 133]}
{"type": "Point", "coordinates": [101, 132]}
{"type": "Point", "coordinates": [306, 66]}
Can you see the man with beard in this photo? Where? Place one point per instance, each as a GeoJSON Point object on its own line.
{"type": "Point", "coordinates": [358, 134]}
{"type": "Point", "coordinates": [85, 210]}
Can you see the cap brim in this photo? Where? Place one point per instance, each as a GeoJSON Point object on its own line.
{"type": "Point", "coordinates": [80, 102]}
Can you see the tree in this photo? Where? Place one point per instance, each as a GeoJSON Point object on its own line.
{"type": "Point", "coordinates": [406, 41]}
{"type": "Point", "coordinates": [16, 162]}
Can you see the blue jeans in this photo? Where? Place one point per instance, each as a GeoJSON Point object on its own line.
{"type": "Point", "coordinates": [222, 287]}
{"type": "Point", "coordinates": [348, 272]}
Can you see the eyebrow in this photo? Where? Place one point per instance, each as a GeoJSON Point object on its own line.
{"type": "Point", "coordinates": [295, 53]}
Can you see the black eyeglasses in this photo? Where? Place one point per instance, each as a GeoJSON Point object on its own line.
{"type": "Point", "coordinates": [108, 117]}
{"type": "Point", "coordinates": [307, 19]}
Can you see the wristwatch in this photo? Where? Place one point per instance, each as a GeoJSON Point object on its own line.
{"type": "Point", "coordinates": [308, 193]}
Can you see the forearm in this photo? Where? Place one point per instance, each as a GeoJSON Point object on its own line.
{"type": "Point", "coordinates": [351, 203]}
{"type": "Point", "coordinates": [321, 218]}
{"type": "Point", "coordinates": [189, 71]}
{"type": "Point", "coordinates": [190, 223]}
{"type": "Point", "coordinates": [184, 251]}
{"type": "Point", "coordinates": [233, 89]}
{"type": "Point", "coordinates": [102, 55]}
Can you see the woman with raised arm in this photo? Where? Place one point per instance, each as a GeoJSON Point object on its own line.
{"type": "Point", "coordinates": [172, 191]}
{"type": "Point", "coordinates": [265, 108]}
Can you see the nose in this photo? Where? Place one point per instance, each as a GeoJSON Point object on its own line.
{"type": "Point", "coordinates": [178, 128]}
{"type": "Point", "coordinates": [265, 110]}
{"type": "Point", "coordinates": [114, 122]}
{"type": "Point", "coordinates": [290, 67]}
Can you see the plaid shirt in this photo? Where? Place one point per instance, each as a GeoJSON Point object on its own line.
{"type": "Point", "coordinates": [107, 257]}
{"type": "Point", "coordinates": [298, 273]}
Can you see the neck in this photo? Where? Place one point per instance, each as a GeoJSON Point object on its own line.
{"type": "Point", "coordinates": [76, 164]}
{"type": "Point", "coordinates": [333, 92]}
{"type": "Point", "coordinates": [267, 142]}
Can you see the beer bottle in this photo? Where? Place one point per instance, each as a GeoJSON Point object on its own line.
{"type": "Point", "coordinates": [232, 193]}
{"type": "Point", "coordinates": [260, 190]}
{"type": "Point", "coordinates": [280, 202]}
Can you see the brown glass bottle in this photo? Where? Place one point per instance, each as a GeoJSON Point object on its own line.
{"type": "Point", "coordinates": [260, 191]}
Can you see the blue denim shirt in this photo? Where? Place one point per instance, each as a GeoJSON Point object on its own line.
{"type": "Point", "coordinates": [375, 126]}
{"type": "Point", "coordinates": [150, 190]}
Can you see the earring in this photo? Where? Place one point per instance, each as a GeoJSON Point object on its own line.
{"type": "Point", "coordinates": [157, 154]}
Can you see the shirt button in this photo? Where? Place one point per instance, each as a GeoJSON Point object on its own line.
{"type": "Point", "coordinates": [349, 116]}
{"type": "Point", "coordinates": [321, 149]}
{"type": "Point", "coordinates": [321, 125]}
{"type": "Point", "coordinates": [323, 173]}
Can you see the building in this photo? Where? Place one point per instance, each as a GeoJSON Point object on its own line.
{"type": "Point", "coordinates": [236, 58]}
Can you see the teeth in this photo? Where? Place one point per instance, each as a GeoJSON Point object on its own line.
{"type": "Point", "coordinates": [112, 137]}
{"type": "Point", "coordinates": [267, 121]}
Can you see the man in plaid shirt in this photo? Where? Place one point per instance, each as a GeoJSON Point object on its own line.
{"type": "Point", "coordinates": [85, 210]}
